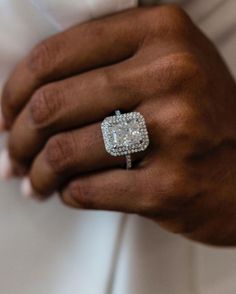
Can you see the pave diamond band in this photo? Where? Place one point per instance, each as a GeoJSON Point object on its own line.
{"type": "Point", "coordinates": [128, 161]}
{"type": "Point", "coordinates": [124, 134]}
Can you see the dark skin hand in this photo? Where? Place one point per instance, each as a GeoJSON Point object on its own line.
{"type": "Point", "coordinates": [151, 60]}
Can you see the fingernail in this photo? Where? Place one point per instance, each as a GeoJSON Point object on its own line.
{"type": "Point", "coordinates": [6, 170]}
{"type": "Point", "coordinates": [28, 191]}
{"type": "Point", "coordinates": [26, 188]}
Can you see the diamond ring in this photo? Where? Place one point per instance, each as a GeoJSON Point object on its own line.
{"type": "Point", "coordinates": [124, 134]}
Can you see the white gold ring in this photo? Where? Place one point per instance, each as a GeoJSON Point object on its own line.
{"type": "Point", "coordinates": [125, 134]}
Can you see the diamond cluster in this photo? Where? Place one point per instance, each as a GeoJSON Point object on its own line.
{"type": "Point", "coordinates": [125, 134]}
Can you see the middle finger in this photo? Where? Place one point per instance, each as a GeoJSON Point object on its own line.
{"type": "Point", "coordinates": [68, 104]}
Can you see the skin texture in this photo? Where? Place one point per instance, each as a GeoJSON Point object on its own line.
{"type": "Point", "coordinates": [152, 60]}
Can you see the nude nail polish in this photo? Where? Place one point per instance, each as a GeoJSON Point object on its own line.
{"type": "Point", "coordinates": [28, 191]}
{"type": "Point", "coordinates": [26, 188]}
{"type": "Point", "coordinates": [6, 170]}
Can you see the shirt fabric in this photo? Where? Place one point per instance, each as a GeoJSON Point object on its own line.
{"type": "Point", "coordinates": [48, 248]}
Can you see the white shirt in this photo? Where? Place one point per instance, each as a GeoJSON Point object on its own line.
{"type": "Point", "coordinates": [48, 248]}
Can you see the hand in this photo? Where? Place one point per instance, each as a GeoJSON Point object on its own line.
{"type": "Point", "coordinates": [154, 61]}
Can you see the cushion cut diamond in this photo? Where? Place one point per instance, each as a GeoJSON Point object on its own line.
{"type": "Point", "coordinates": [124, 134]}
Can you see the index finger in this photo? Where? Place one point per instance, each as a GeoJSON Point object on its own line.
{"type": "Point", "coordinates": [81, 48]}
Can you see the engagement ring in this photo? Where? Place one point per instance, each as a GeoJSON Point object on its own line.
{"type": "Point", "coordinates": [124, 134]}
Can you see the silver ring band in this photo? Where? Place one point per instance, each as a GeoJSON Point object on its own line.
{"type": "Point", "coordinates": [128, 161]}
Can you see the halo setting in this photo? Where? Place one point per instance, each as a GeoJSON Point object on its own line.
{"type": "Point", "coordinates": [124, 134]}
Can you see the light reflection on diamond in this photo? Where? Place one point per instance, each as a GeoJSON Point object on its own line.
{"type": "Point", "coordinates": [125, 134]}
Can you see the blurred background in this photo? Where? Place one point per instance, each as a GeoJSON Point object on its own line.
{"type": "Point", "coordinates": [217, 18]}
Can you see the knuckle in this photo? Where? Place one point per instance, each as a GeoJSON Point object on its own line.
{"type": "Point", "coordinates": [191, 70]}
{"type": "Point", "coordinates": [184, 61]}
{"type": "Point", "coordinates": [43, 58]}
{"type": "Point", "coordinates": [149, 198]}
{"type": "Point", "coordinates": [174, 11]}
{"type": "Point", "coordinates": [40, 59]}
{"type": "Point", "coordinates": [171, 73]}
{"type": "Point", "coordinates": [44, 104]}
{"type": "Point", "coordinates": [122, 84]}
{"type": "Point", "coordinates": [129, 85]}
{"type": "Point", "coordinates": [79, 195]}
{"type": "Point", "coordinates": [176, 184]}
{"type": "Point", "coordinates": [181, 69]}
{"type": "Point", "coordinates": [178, 119]}
{"type": "Point", "coordinates": [111, 79]}
{"type": "Point", "coordinates": [60, 153]}
{"type": "Point", "coordinates": [178, 190]}
{"type": "Point", "coordinates": [172, 190]}
{"type": "Point", "coordinates": [69, 198]}
{"type": "Point", "coordinates": [175, 191]}
{"type": "Point", "coordinates": [169, 16]}
{"type": "Point", "coordinates": [116, 82]}
{"type": "Point", "coordinates": [187, 128]}
{"type": "Point", "coordinates": [175, 17]}
{"type": "Point", "coordinates": [185, 119]}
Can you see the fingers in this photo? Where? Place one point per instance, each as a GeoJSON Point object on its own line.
{"type": "Point", "coordinates": [117, 190]}
{"type": "Point", "coordinates": [81, 48]}
{"type": "Point", "coordinates": [69, 154]}
{"type": "Point", "coordinates": [69, 104]}
{"type": "Point", "coordinates": [75, 101]}
{"type": "Point", "coordinates": [156, 188]}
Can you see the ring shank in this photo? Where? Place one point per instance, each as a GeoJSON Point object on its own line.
{"type": "Point", "coordinates": [128, 161]}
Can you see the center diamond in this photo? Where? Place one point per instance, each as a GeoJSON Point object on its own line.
{"type": "Point", "coordinates": [125, 134]}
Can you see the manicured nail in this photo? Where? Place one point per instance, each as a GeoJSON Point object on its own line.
{"type": "Point", "coordinates": [26, 188]}
{"type": "Point", "coordinates": [28, 191]}
{"type": "Point", "coordinates": [6, 170]}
